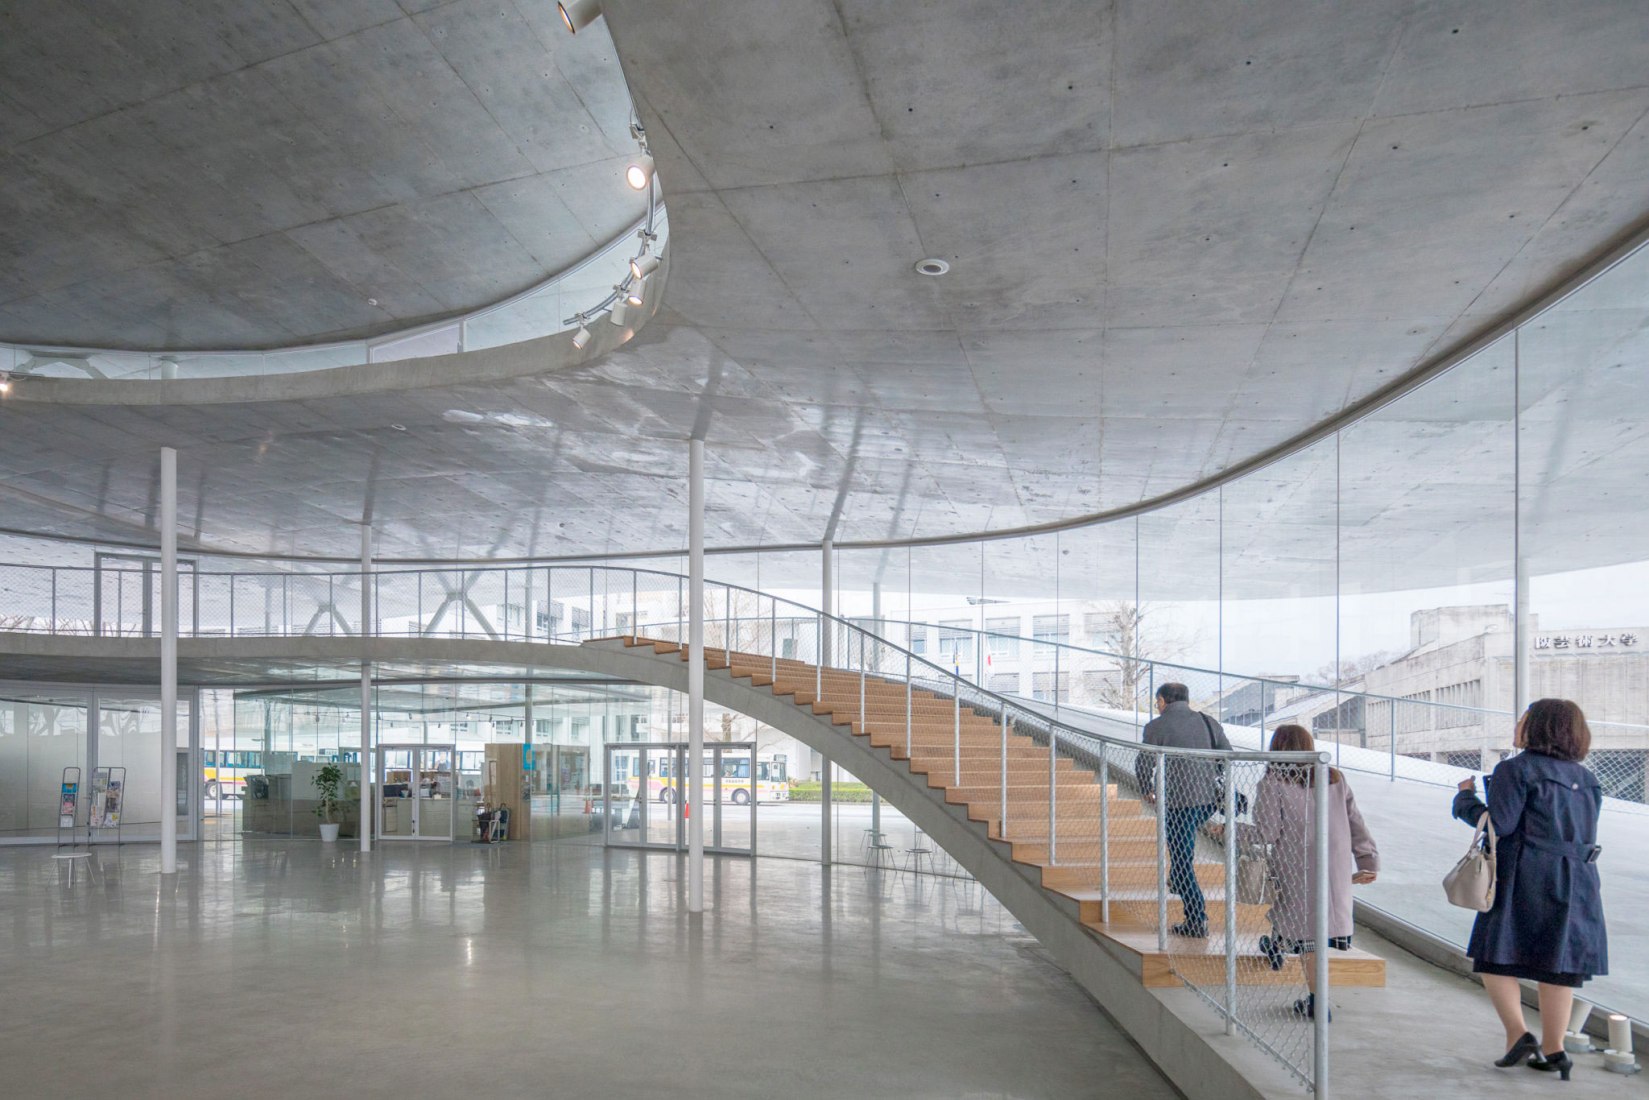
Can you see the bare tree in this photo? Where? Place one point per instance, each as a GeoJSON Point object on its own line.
{"type": "Point", "coordinates": [1331, 675]}
{"type": "Point", "coordinates": [1134, 634]}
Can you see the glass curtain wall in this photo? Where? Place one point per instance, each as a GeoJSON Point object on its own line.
{"type": "Point", "coordinates": [1388, 587]}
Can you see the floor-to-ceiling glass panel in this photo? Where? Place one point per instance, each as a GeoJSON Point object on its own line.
{"type": "Point", "coordinates": [1179, 588]}
{"type": "Point", "coordinates": [1583, 387]}
{"type": "Point", "coordinates": [1098, 585]}
{"type": "Point", "coordinates": [40, 735]}
{"type": "Point", "coordinates": [128, 736]}
{"type": "Point", "coordinates": [1278, 557]}
{"type": "Point", "coordinates": [1426, 564]}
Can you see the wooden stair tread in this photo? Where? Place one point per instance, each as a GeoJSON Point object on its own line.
{"type": "Point", "coordinates": [936, 739]}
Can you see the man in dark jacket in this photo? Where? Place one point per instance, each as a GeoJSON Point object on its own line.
{"type": "Point", "coordinates": [1191, 793]}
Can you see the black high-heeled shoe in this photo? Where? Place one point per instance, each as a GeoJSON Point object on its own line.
{"type": "Point", "coordinates": [1559, 1063]}
{"type": "Point", "coordinates": [1524, 1049]}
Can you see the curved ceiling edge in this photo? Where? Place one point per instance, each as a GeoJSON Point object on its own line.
{"type": "Point", "coordinates": [545, 354]}
{"type": "Point", "coordinates": [1561, 286]}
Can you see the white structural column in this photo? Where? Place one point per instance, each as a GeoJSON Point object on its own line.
{"type": "Point", "coordinates": [695, 677]}
{"type": "Point", "coordinates": [367, 631]}
{"type": "Point", "coordinates": [827, 594]}
{"type": "Point", "coordinates": [168, 661]}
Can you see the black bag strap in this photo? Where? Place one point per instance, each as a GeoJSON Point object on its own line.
{"type": "Point", "coordinates": [1209, 724]}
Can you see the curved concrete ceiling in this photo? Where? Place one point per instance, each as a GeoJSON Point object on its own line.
{"type": "Point", "coordinates": [1179, 233]}
{"type": "Point", "coordinates": [182, 175]}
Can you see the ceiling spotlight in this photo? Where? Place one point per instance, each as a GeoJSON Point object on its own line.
{"type": "Point", "coordinates": [582, 336]}
{"type": "Point", "coordinates": [5, 384]}
{"type": "Point", "coordinates": [578, 14]}
{"type": "Point", "coordinates": [640, 172]}
{"type": "Point", "coordinates": [643, 266]}
{"type": "Point", "coordinates": [635, 295]}
{"type": "Point", "coordinates": [932, 266]}
{"type": "Point", "coordinates": [620, 312]}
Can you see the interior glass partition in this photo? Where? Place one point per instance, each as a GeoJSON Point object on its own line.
{"type": "Point", "coordinates": [646, 797]}
{"type": "Point", "coordinates": [41, 733]}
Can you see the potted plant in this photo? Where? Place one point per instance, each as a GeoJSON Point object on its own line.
{"type": "Point", "coordinates": [327, 781]}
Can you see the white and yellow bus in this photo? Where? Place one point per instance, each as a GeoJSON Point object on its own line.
{"type": "Point", "coordinates": [772, 779]}
{"type": "Point", "coordinates": [223, 773]}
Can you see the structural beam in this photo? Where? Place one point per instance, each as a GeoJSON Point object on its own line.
{"type": "Point", "coordinates": [168, 661]}
{"type": "Point", "coordinates": [695, 676]}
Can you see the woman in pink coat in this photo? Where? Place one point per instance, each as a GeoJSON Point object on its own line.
{"type": "Point", "coordinates": [1283, 823]}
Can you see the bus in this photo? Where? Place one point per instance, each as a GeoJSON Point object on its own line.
{"type": "Point", "coordinates": [224, 772]}
{"type": "Point", "coordinates": [772, 779]}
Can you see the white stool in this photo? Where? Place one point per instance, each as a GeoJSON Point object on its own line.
{"type": "Point", "coordinates": [74, 859]}
{"type": "Point", "coordinates": [881, 855]}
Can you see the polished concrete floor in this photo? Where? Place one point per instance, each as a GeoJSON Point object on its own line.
{"type": "Point", "coordinates": [269, 968]}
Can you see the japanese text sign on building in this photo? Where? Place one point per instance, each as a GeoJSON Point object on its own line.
{"type": "Point", "coordinates": [1588, 641]}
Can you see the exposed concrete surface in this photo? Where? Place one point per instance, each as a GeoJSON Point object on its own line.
{"type": "Point", "coordinates": [528, 970]}
{"type": "Point", "coordinates": [1180, 232]}
{"type": "Point", "coordinates": [243, 174]}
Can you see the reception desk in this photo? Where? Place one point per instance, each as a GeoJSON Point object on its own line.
{"type": "Point", "coordinates": [411, 816]}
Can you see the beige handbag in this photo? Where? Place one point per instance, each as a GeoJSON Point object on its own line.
{"type": "Point", "coordinates": [1471, 884]}
{"type": "Point", "coordinates": [1255, 886]}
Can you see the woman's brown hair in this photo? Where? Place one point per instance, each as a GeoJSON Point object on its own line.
{"type": "Point", "coordinates": [1292, 738]}
{"type": "Point", "coordinates": [1556, 727]}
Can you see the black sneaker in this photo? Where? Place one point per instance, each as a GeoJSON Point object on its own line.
{"type": "Point", "coordinates": [1189, 931]}
{"type": "Point", "coordinates": [1272, 949]}
{"type": "Point", "coordinates": [1307, 1007]}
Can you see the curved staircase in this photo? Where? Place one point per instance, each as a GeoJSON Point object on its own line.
{"type": "Point", "coordinates": [965, 752]}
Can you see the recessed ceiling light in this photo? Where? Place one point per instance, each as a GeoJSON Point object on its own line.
{"type": "Point", "coordinates": [372, 301]}
{"type": "Point", "coordinates": [933, 265]}
{"type": "Point", "coordinates": [399, 427]}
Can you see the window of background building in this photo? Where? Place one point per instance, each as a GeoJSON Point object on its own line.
{"type": "Point", "coordinates": [956, 642]}
{"type": "Point", "coordinates": [1043, 687]}
{"type": "Point", "coordinates": [1100, 685]}
{"type": "Point", "coordinates": [1004, 640]}
{"type": "Point", "coordinates": [1051, 628]}
{"type": "Point", "coordinates": [1004, 683]}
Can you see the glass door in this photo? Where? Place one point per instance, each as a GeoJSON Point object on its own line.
{"type": "Point", "coordinates": [437, 793]}
{"type": "Point", "coordinates": [397, 805]}
{"type": "Point", "coordinates": [642, 804]}
{"type": "Point", "coordinates": [418, 792]}
{"type": "Point", "coordinates": [127, 741]}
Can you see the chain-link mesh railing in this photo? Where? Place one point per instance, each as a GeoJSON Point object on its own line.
{"type": "Point", "coordinates": [1075, 805]}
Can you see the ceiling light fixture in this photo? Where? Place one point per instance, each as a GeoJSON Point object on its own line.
{"type": "Point", "coordinates": [5, 385]}
{"type": "Point", "coordinates": [578, 14]}
{"type": "Point", "coordinates": [620, 312]}
{"type": "Point", "coordinates": [640, 172]}
{"type": "Point", "coordinates": [636, 294]}
{"type": "Point", "coordinates": [582, 336]}
{"type": "Point", "coordinates": [643, 266]}
{"type": "Point", "coordinates": [932, 266]}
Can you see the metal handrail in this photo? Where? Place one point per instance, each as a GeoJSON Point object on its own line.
{"type": "Point", "coordinates": [857, 648]}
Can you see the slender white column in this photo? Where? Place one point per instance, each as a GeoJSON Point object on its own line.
{"type": "Point", "coordinates": [827, 595]}
{"type": "Point", "coordinates": [168, 661]}
{"type": "Point", "coordinates": [695, 676]}
{"type": "Point", "coordinates": [876, 618]}
{"type": "Point", "coordinates": [367, 631]}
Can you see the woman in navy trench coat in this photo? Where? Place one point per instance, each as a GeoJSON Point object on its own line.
{"type": "Point", "coordinates": [1547, 922]}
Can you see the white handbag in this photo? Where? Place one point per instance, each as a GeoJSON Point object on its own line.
{"type": "Point", "coordinates": [1255, 886]}
{"type": "Point", "coordinates": [1471, 884]}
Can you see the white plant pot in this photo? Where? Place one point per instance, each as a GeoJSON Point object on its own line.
{"type": "Point", "coordinates": [329, 831]}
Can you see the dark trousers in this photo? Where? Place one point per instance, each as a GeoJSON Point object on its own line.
{"type": "Point", "coordinates": [1181, 826]}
